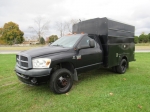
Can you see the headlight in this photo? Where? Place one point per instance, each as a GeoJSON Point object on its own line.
{"type": "Point", "coordinates": [41, 63]}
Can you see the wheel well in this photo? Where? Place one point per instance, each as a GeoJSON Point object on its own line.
{"type": "Point", "coordinates": [124, 57]}
{"type": "Point", "coordinates": [66, 65]}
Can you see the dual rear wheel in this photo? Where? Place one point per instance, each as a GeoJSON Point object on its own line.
{"type": "Point", "coordinates": [121, 68]}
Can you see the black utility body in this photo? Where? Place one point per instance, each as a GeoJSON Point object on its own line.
{"type": "Point", "coordinates": [95, 43]}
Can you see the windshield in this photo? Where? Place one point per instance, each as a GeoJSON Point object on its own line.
{"type": "Point", "coordinates": [66, 41]}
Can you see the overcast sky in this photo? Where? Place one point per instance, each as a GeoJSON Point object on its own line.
{"type": "Point", "coordinates": [23, 12]}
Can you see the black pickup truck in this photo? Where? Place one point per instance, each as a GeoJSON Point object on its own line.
{"type": "Point", "coordinates": [95, 43]}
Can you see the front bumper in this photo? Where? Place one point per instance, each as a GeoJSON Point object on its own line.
{"type": "Point", "coordinates": [33, 76]}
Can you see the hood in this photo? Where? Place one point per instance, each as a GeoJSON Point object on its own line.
{"type": "Point", "coordinates": [44, 51]}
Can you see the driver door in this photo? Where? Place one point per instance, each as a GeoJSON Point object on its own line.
{"type": "Point", "coordinates": [87, 58]}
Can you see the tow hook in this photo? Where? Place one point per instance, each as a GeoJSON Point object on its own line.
{"type": "Point", "coordinates": [34, 80]}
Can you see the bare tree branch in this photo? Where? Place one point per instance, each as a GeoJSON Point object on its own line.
{"type": "Point", "coordinates": [70, 23]}
{"type": "Point", "coordinates": [65, 27]}
{"type": "Point", "coordinates": [40, 27]}
{"type": "Point", "coordinates": [61, 27]}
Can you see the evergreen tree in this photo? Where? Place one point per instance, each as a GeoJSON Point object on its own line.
{"type": "Point", "coordinates": [42, 41]}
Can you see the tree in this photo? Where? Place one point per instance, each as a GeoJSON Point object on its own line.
{"type": "Point", "coordinates": [1, 32]}
{"type": "Point", "coordinates": [136, 39]}
{"type": "Point", "coordinates": [1, 39]}
{"type": "Point", "coordinates": [41, 27]}
{"type": "Point", "coordinates": [61, 27]}
{"type": "Point", "coordinates": [149, 37]}
{"type": "Point", "coordinates": [70, 23]}
{"type": "Point", "coordinates": [143, 38]}
{"type": "Point", "coordinates": [42, 41]}
{"type": "Point", "coordinates": [65, 27]}
{"type": "Point", "coordinates": [11, 34]}
{"type": "Point", "coordinates": [53, 38]}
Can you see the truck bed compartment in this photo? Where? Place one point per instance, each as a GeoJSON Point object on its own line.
{"type": "Point", "coordinates": [117, 38]}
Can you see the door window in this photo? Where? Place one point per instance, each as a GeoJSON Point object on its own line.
{"type": "Point", "coordinates": [85, 41]}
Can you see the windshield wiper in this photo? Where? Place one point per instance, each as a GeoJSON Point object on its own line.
{"type": "Point", "coordinates": [58, 45]}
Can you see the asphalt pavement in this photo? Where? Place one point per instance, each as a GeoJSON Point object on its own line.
{"type": "Point", "coordinates": [9, 52]}
{"type": "Point", "coordinates": [143, 50]}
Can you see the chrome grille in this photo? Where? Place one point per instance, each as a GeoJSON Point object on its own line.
{"type": "Point", "coordinates": [22, 61]}
{"type": "Point", "coordinates": [17, 59]}
{"type": "Point", "coordinates": [24, 58]}
{"type": "Point", "coordinates": [24, 64]}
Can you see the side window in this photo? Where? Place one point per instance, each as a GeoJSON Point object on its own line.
{"type": "Point", "coordinates": [85, 41]}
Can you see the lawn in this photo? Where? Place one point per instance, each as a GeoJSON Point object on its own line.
{"type": "Point", "coordinates": [96, 91]}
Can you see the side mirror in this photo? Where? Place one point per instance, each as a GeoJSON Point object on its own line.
{"type": "Point", "coordinates": [91, 43]}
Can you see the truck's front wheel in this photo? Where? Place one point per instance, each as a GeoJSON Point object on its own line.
{"type": "Point", "coordinates": [121, 68]}
{"type": "Point", "coordinates": [61, 81]}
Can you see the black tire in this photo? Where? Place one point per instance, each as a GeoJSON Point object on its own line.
{"type": "Point", "coordinates": [121, 68]}
{"type": "Point", "coordinates": [61, 81]}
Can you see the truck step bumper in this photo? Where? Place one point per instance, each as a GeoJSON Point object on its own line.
{"type": "Point", "coordinates": [32, 80]}
{"type": "Point", "coordinates": [33, 76]}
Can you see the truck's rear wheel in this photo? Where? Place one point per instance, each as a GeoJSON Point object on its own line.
{"type": "Point", "coordinates": [121, 68]}
{"type": "Point", "coordinates": [61, 81]}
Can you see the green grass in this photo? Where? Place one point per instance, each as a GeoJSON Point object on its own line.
{"type": "Point", "coordinates": [96, 91]}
